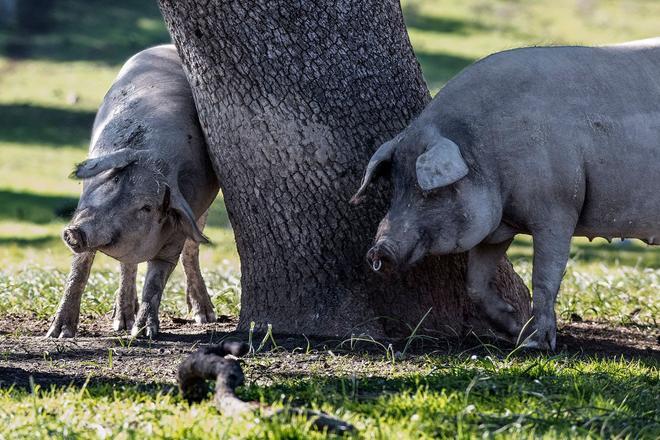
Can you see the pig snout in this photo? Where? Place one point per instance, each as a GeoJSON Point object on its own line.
{"type": "Point", "coordinates": [381, 257]}
{"type": "Point", "coordinates": [85, 237]}
{"type": "Point", "coordinates": [75, 238]}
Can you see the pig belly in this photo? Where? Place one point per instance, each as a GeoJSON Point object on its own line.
{"type": "Point", "coordinates": [618, 224]}
{"type": "Point", "coordinates": [622, 197]}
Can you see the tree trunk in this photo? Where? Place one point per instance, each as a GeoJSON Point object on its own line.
{"type": "Point", "coordinates": [294, 97]}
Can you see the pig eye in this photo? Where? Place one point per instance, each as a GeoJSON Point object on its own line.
{"type": "Point", "coordinates": [146, 208]}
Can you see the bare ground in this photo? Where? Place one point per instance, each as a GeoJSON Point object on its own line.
{"type": "Point", "coordinates": [101, 356]}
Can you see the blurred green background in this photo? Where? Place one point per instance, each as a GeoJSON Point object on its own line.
{"type": "Point", "coordinates": [58, 58]}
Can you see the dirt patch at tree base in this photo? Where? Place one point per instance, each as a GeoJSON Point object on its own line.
{"type": "Point", "coordinates": [99, 355]}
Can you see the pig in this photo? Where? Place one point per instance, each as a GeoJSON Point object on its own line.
{"type": "Point", "coordinates": [147, 184]}
{"type": "Point", "coordinates": [553, 142]}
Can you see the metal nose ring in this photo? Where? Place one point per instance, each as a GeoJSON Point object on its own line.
{"type": "Point", "coordinates": [376, 265]}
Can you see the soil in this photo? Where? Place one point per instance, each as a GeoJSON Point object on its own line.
{"type": "Point", "coordinates": [101, 356]}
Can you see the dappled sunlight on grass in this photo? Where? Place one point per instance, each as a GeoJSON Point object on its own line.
{"type": "Point", "coordinates": [51, 84]}
{"type": "Point", "coordinates": [450, 33]}
{"type": "Point", "coordinates": [621, 295]}
{"type": "Point", "coordinates": [36, 291]}
{"type": "Point", "coordinates": [29, 124]}
{"type": "Point", "coordinates": [92, 30]}
{"type": "Point", "coordinates": [35, 208]}
{"type": "Point", "coordinates": [39, 170]}
{"type": "Point", "coordinates": [428, 397]}
{"type": "Point", "coordinates": [585, 252]}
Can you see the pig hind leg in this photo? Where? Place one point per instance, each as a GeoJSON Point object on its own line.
{"type": "Point", "coordinates": [482, 266]}
{"type": "Point", "coordinates": [65, 322]}
{"type": "Point", "coordinates": [126, 304]}
{"type": "Point", "coordinates": [197, 296]}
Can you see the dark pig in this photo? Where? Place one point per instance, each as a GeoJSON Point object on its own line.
{"type": "Point", "coordinates": [554, 142]}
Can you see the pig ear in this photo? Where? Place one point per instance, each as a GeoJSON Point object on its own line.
{"type": "Point", "coordinates": [440, 165]}
{"type": "Point", "coordinates": [167, 200]}
{"type": "Point", "coordinates": [118, 159]}
{"type": "Point", "coordinates": [382, 155]}
{"type": "Point", "coordinates": [185, 217]}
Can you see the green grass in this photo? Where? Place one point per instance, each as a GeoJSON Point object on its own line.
{"type": "Point", "coordinates": [619, 294]}
{"type": "Point", "coordinates": [50, 86]}
{"type": "Point", "coordinates": [448, 35]}
{"type": "Point", "coordinates": [35, 291]}
{"type": "Point", "coordinates": [428, 397]}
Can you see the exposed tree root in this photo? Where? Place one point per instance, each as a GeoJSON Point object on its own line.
{"type": "Point", "coordinates": [209, 363]}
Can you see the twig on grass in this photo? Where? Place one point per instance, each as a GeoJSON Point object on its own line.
{"type": "Point", "coordinates": [210, 363]}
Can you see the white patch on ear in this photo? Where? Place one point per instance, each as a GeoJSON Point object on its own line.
{"type": "Point", "coordinates": [440, 165]}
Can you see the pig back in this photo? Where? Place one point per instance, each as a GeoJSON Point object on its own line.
{"type": "Point", "coordinates": [150, 107]}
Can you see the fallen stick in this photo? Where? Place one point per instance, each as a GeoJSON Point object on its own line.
{"type": "Point", "coordinates": [209, 363]}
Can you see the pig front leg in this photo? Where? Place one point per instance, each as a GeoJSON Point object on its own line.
{"type": "Point", "coordinates": [65, 322]}
{"type": "Point", "coordinates": [551, 251]}
{"type": "Point", "coordinates": [146, 322]}
{"type": "Point", "coordinates": [197, 297]}
{"type": "Point", "coordinates": [482, 266]}
{"type": "Point", "coordinates": [126, 304]}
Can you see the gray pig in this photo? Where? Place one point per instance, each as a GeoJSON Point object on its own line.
{"type": "Point", "coordinates": [553, 142]}
{"type": "Point", "coordinates": [147, 183]}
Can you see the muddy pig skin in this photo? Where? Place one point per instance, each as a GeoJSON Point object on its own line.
{"type": "Point", "coordinates": [147, 185]}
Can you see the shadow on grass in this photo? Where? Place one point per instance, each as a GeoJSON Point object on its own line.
{"type": "Point", "coordinates": [438, 68]}
{"type": "Point", "coordinates": [43, 209]}
{"type": "Point", "coordinates": [20, 379]}
{"type": "Point", "coordinates": [445, 25]}
{"type": "Point", "coordinates": [538, 395]}
{"type": "Point", "coordinates": [554, 401]}
{"type": "Point", "coordinates": [90, 30]}
{"type": "Point", "coordinates": [35, 208]}
{"type": "Point", "coordinates": [30, 124]}
{"type": "Point", "coordinates": [417, 21]}
{"type": "Point", "coordinates": [546, 393]}
{"type": "Point", "coordinates": [37, 242]}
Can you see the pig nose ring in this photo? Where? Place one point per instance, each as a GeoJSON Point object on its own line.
{"type": "Point", "coordinates": [376, 265]}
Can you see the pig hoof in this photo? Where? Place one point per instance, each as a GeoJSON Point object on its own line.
{"type": "Point", "coordinates": [60, 330]}
{"type": "Point", "coordinates": [145, 331]}
{"type": "Point", "coordinates": [534, 345]}
{"type": "Point", "coordinates": [123, 322]}
{"type": "Point", "coordinates": [542, 343]}
{"type": "Point", "coordinates": [530, 345]}
{"type": "Point", "coordinates": [151, 331]}
{"type": "Point", "coordinates": [60, 333]}
{"type": "Point", "coordinates": [544, 336]}
{"type": "Point", "coordinates": [124, 311]}
{"type": "Point", "coordinates": [205, 317]}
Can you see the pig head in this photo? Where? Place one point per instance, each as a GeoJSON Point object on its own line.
{"type": "Point", "coordinates": [129, 208]}
{"type": "Point", "coordinates": [440, 203]}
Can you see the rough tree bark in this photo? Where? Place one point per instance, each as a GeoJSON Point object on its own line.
{"type": "Point", "coordinates": [294, 96]}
